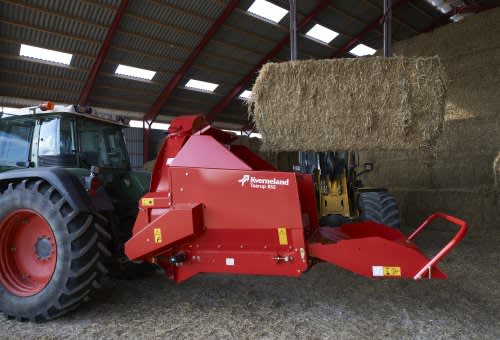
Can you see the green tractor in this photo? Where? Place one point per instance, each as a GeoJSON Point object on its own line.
{"type": "Point", "coordinates": [68, 201]}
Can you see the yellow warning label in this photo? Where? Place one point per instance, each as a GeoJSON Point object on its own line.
{"type": "Point", "coordinates": [157, 234]}
{"type": "Point", "coordinates": [282, 236]}
{"type": "Point", "coordinates": [148, 202]}
{"type": "Point", "coordinates": [392, 271]}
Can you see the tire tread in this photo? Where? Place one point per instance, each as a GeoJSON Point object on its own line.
{"type": "Point", "coordinates": [86, 235]}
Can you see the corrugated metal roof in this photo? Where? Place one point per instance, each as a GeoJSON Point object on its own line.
{"type": "Point", "coordinates": [160, 35]}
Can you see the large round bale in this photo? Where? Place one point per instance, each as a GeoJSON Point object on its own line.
{"type": "Point", "coordinates": [350, 104]}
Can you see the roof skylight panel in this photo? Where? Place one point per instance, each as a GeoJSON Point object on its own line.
{"type": "Point", "coordinates": [135, 72]}
{"type": "Point", "coordinates": [245, 95]}
{"type": "Point", "coordinates": [267, 10]}
{"type": "Point", "coordinates": [322, 33]}
{"type": "Point", "coordinates": [362, 50]}
{"type": "Point", "coordinates": [203, 86]}
{"type": "Point", "coordinates": [45, 54]}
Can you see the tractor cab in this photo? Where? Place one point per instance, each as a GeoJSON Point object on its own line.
{"type": "Point", "coordinates": [61, 137]}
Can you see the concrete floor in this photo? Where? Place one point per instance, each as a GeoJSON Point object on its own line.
{"type": "Point", "coordinates": [325, 303]}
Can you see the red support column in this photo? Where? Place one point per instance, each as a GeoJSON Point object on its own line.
{"type": "Point", "coordinates": [94, 71]}
{"type": "Point", "coordinates": [243, 82]}
{"type": "Point", "coordinates": [167, 91]}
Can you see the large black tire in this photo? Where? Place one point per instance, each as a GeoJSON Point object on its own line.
{"type": "Point", "coordinates": [81, 248]}
{"type": "Point", "coordinates": [119, 265]}
{"type": "Point", "coordinates": [380, 207]}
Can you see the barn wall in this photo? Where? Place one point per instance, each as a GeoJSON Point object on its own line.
{"type": "Point", "coordinates": [134, 138]}
{"type": "Point", "coordinates": [457, 176]}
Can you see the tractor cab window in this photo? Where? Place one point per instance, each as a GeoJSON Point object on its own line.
{"type": "Point", "coordinates": [56, 144]}
{"type": "Point", "coordinates": [15, 141]}
{"type": "Point", "coordinates": [102, 144]}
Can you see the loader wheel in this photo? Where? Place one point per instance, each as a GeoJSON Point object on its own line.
{"type": "Point", "coordinates": [380, 207]}
{"type": "Point", "coordinates": [50, 253]}
{"type": "Point", "coordinates": [333, 220]}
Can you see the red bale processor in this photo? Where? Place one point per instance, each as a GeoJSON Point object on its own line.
{"type": "Point", "coordinates": [215, 207]}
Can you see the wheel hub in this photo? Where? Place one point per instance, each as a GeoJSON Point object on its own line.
{"type": "Point", "coordinates": [28, 252]}
{"type": "Point", "coordinates": [43, 248]}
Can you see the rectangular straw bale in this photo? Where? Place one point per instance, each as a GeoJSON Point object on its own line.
{"type": "Point", "coordinates": [349, 104]}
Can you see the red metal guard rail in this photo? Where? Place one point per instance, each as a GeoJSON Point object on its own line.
{"type": "Point", "coordinates": [446, 249]}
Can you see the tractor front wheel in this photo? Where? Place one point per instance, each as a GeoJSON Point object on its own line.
{"type": "Point", "coordinates": [50, 253]}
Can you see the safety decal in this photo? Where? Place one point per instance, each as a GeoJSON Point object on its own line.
{"type": "Point", "coordinates": [386, 271]}
{"type": "Point", "coordinates": [157, 235]}
{"type": "Point", "coordinates": [148, 202]}
{"type": "Point", "coordinates": [283, 238]}
{"type": "Point", "coordinates": [392, 271]}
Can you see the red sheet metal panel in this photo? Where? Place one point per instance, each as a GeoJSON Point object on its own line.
{"type": "Point", "coordinates": [253, 222]}
{"type": "Point", "coordinates": [206, 152]}
{"type": "Point", "coordinates": [177, 224]}
{"type": "Point", "coordinates": [239, 199]}
{"type": "Point", "coordinates": [371, 250]}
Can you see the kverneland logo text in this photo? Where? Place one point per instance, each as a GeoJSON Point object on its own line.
{"type": "Point", "coordinates": [263, 183]}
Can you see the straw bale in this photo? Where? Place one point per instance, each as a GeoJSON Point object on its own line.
{"type": "Point", "coordinates": [477, 136]}
{"type": "Point", "coordinates": [350, 104]}
{"type": "Point", "coordinates": [473, 35]}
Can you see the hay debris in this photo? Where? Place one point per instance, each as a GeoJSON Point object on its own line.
{"type": "Point", "coordinates": [354, 104]}
{"type": "Point", "coordinates": [496, 171]}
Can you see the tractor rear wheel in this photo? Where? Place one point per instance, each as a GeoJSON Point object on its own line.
{"type": "Point", "coordinates": [50, 253]}
{"type": "Point", "coordinates": [380, 207]}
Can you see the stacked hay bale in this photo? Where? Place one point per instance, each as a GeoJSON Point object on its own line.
{"type": "Point", "coordinates": [457, 176]}
{"type": "Point", "coordinates": [453, 176]}
{"type": "Point", "coordinates": [349, 104]}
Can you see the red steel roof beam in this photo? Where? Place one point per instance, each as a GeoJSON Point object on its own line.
{"type": "Point", "coordinates": [91, 79]}
{"type": "Point", "coordinates": [243, 82]}
{"type": "Point", "coordinates": [167, 91]}
{"type": "Point", "coordinates": [370, 27]}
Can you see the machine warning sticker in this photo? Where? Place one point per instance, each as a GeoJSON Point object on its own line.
{"type": "Point", "coordinates": [148, 202]}
{"type": "Point", "coordinates": [157, 234]}
{"type": "Point", "coordinates": [283, 238]}
{"type": "Point", "coordinates": [386, 271]}
{"type": "Point", "coordinates": [392, 271]}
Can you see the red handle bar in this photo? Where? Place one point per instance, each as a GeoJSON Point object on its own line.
{"type": "Point", "coordinates": [446, 249]}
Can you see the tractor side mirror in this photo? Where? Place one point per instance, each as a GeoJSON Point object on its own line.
{"type": "Point", "coordinates": [23, 164]}
{"type": "Point", "coordinates": [367, 167]}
